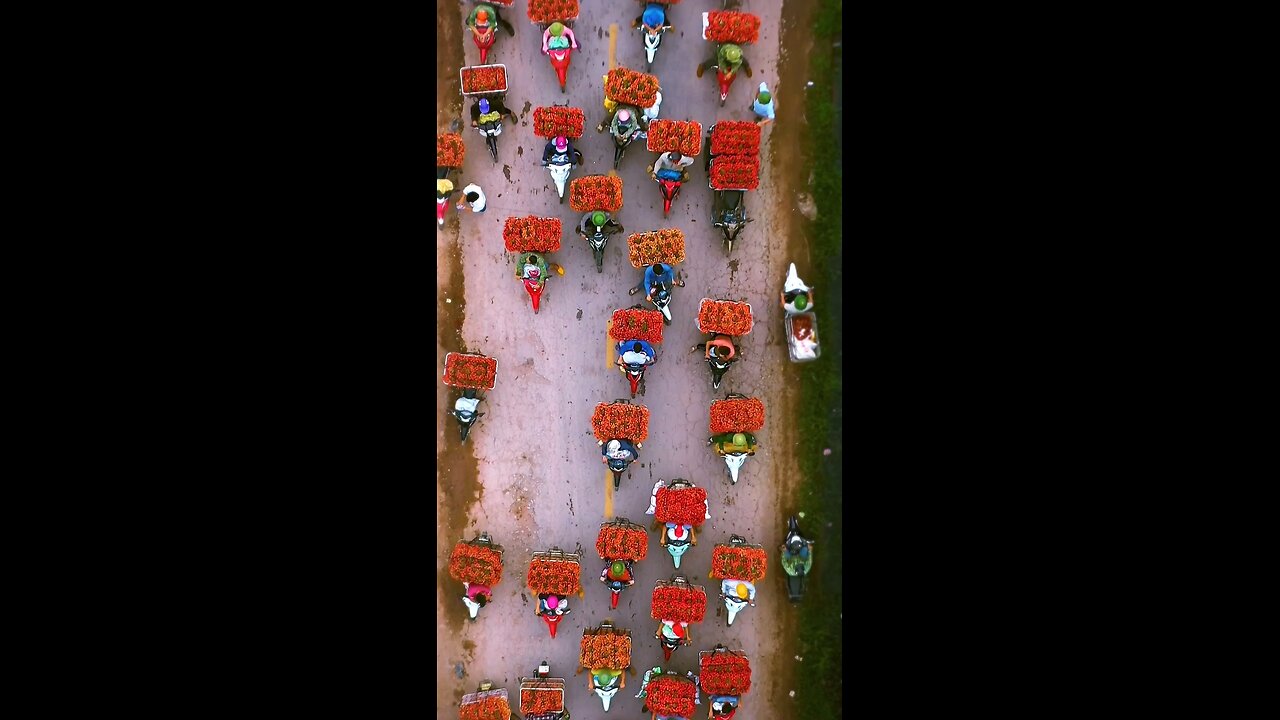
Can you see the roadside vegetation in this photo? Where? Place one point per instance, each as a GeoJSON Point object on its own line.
{"type": "Point", "coordinates": [819, 692]}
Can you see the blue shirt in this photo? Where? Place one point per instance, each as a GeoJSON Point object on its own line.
{"type": "Point", "coordinates": [651, 278]}
{"type": "Point", "coordinates": [763, 110]}
{"type": "Point", "coordinates": [624, 347]}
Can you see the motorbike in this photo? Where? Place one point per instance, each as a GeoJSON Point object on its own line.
{"type": "Point", "coordinates": [669, 185]}
{"type": "Point", "coordinates": [718, 366]}
{"type": "Point", "coordinates": [542, 682]}
{"type": "Point", "coordinates": [560, 63]}
{"type": "Point", "coordinates": [725, 81]}
{"type": "Point", "coordinates": [491, 131]}
{"type": "Point", "coordinates": [535, 286]}
{"type": "Point", "coordinates": [442, 204]}
{"type": "Point", "coordinates": [729, 213]}
{"type": "Point", "coordinates": [559, 166]}
{"type": "Point", "coordinates": [465, 411]}
{"type": "Point", "coordinates": [635, 375]}
{"type": "Point", "coordinates": [652, 39]}
{"type": "Point", "coordinates": [483, 539]}
{"type": "Point", "coordinates": [597, 240]}
{"type": "Point", "coordinates": [485, 43]}
{"type": "Point", "coordinates": [606, 681]}
{"type": "Point", "coordinates": [732, 603]}
{"type": "Point", "coordinates": [620, 146]}
{"type": "Point", "coordinates": [680, 538]}
{"type": "Point", "coordinates": [671, 644]}
{"type": "Point", "coordinates": [616, 586]}
{"type": "Point", "coordinates": [661, 299]}
{"type": "Point", "coordinates": [734, 460]}
{"type": "Point", "coordinates": [797, 560]}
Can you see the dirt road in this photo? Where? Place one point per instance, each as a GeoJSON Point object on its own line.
{"type": "Point", "coordinates": [530, 473]}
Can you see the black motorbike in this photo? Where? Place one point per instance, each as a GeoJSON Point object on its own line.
{"type": "Point", "coordinates": [729, 213]}
{"type": "Point", "coordinates": [797, 560]}
{"type": "Point", "coordinates": [465, 414]}
{"type": "Point", "coordinates": [597, 241]}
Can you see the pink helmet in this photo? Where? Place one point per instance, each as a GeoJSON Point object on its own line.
{"type": "Point", "coordinates": [562, 143]}
{"type": "Point", "coordinates": [553, 602]}
{"type": "Point", "coordinates": [624, 116]}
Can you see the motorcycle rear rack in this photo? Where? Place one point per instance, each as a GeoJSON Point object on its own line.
{"type": "Point", "coordinates": [483, 540]}
{"type": "Point", "coordinates": [476, 697]}
{"type": "Point", "coordinates": [555, 554]}
{"type": "Point", "coordinates": [625, 523]}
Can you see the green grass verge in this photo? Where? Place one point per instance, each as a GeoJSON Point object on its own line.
{"type": "Point", "coordinates": [818, 681]}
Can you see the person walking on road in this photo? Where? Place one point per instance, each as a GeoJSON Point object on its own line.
{"type": "Point", "coordinates": [763, 106]}
{"type": "Point", "coordinates": [475, 196]}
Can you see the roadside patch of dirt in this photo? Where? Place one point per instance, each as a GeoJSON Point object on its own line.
{"type": "Point", "coordinates": [787, 155]}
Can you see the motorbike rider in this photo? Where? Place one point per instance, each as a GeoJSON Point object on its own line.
{"type": "Point", "coordinates": [598, 221]}
{"type": "Point", "coordinates": [476, 595]}
{"type": "Point", "coordinates": [618, 571]}
{"type": "Point", "coordinates": [487, 111]}
{"type": "Point", "coordinates": [740, 589]}
{"type": "Point", "coordinates": [531, 266]}
{"type": "Point", "coordinates": [723, 707]}
{"type": "Point", "coordinates": [558, 37]}
{"type": "Point", "coordinates": [655, 276]}
{"type": "Point", "coordinates": [618, 449]}
{"type": "Point", "coordinates": [602, 678]}
{"type": "Point", "coordinates": [728, 58]}
{"type": "Point", "coordinates": [721, 346]}
{"type": "Point", "coordinates": [624, 123]}
{"type": "Point", "coordinates": [559, 149]}
{"type": "Point", "coordinates": [740, 442]}
{"type": "Point", "coordinates": [480, 21]}
{"type": "Point", "coordinates": [798, 548]}
{"type": "Point", "coordinates": [552, 605]}
{"type": "Point", "coordinates": [635, 353]}
{"type": "Point", "coordinates": [466, 404]}
{"type": "Point", "coordinates": [672, 162]}
{"type": "Point", "coordinates": [672, 630]}
{"type": "Point", "coordinates": [654, 18]}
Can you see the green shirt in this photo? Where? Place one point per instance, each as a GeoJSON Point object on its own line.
{"type": "Point", "coordinates": [493, 15]}
{"type": "Point", "coordinates": [728, 67]}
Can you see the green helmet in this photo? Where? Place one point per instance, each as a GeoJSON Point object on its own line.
{"type": "Point", "coordinates": [732, 53]}
{"type": "Point", "coordinates": [556, 28]}
{"type": "Point", "coordinates": [764, 98]}
{"type": "Point", "coordinates": [801, 302]}
{"type": "Point", "coordinates": [598, 218]}
{"type": "Point", "coordinates": [617, 569]}
{"type": "Point", "coordinates": [739, 439]}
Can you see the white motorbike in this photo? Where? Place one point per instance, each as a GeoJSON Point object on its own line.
{"type": "Point", "coordinates": [679, 539]}
{"type": "Point", "coordinates": [733, 604]}
{"type": "Point", "coordinates": [651, 42]}
{"type": "Point", "coordinates": [607, 692]}
{"type": "Point", "coordinates": [559, 166]}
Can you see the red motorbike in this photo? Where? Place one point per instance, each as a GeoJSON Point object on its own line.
{"type": "Point", "coordinates": [560, 62]}
{"type": "Point", "coordinates": [669, 184]}
{"type": "Point", "coordinates": [535, 288]}
{"type": "Point", "coordinates": [725, 81]}
{"type": "Point", "coordinates": [484, 44]}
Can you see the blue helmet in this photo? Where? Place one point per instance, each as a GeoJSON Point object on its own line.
{"type": "Point", "coordinates": [652, 16]}
{"type": "Point", "coordinates": [484, 105]}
